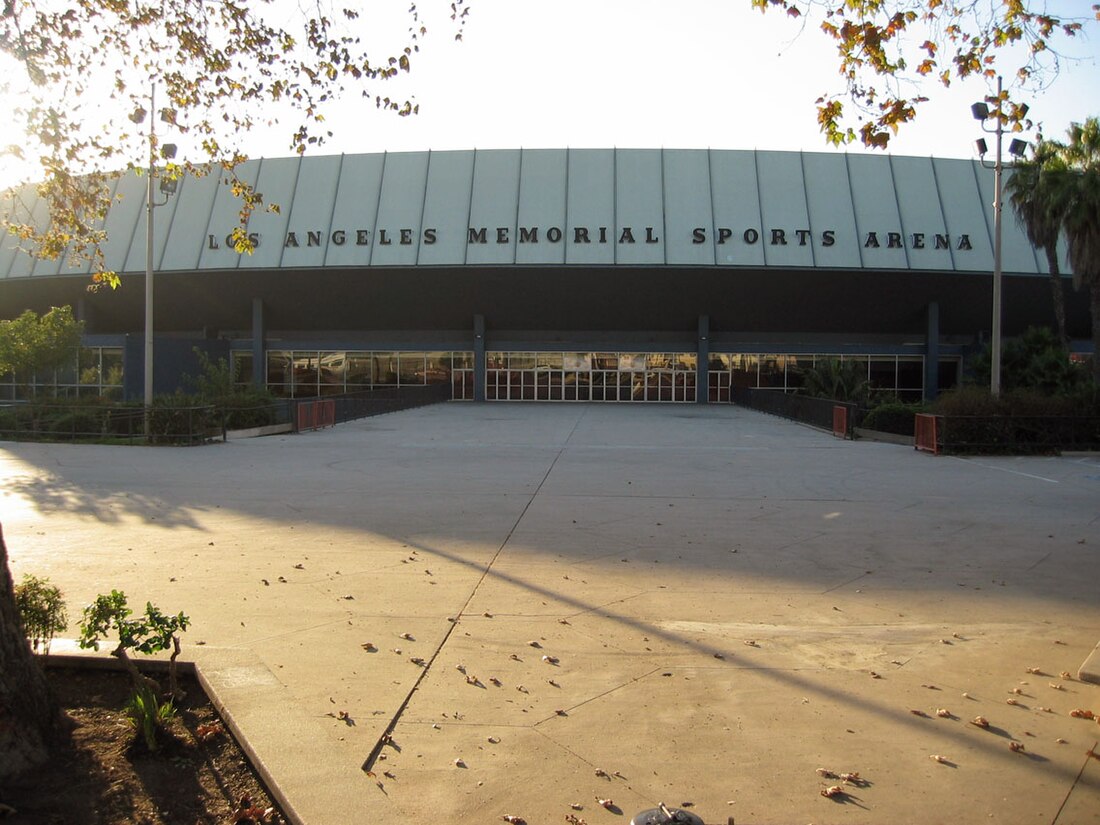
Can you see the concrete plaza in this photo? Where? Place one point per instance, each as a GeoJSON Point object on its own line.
{"type": "Point", "coordinates": [706, 604]}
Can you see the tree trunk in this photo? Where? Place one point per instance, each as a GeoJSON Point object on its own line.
{"type": "Point", "coordinates": [1057, 294]}
{"type": "Point", "coordinates": [1094, 296]}
{"type": "Point", "coordinates": [29, 716]}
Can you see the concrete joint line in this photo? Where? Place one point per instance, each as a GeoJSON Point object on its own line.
{"type": "Point", "coordinates": [1076, 780]}
{"type": "Point", "coordinates": [387, 734]}
{"type": "Point", "coordinates": [607, 692]}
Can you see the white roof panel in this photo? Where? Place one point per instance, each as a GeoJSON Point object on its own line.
{"type": "Point", "coordinates": [574, 207]}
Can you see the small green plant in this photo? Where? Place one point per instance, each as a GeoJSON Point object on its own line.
{"type": "Point", "coordinates": [215, 379]}
{"type": "Point", "coordinates": [838, 380]}
{"type": "Point", "coordinates": [149, 715]}
{"type": "Point", "coordinates": [42, 610]}
{"type": "Point", "coordinates": [151, 632]}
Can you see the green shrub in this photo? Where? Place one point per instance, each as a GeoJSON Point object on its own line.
{"type": "Point", "coordinates": [248, 408]}
{"type": "Point", "coordinates": [42, 610]}
{"type": "Point", "coordinates": [150, 633]}
{"type": "Point", "coordinates": [75, 423]}
{"type": "Point", "coordinates": [837, 380]}
{"type": "Point", "coordinates": [892, 417]}
{"type": "Point", "coordinates": [215, 379]}
{"type": "Point", "coordinates": [1036, 361]}
{"type": "Point", "coordinates": [10, 421]}
{"type": "Point", "coordinates": [977, 401]}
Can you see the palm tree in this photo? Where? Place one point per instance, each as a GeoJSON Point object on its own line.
{"type": "Point", "coordinates": [1079, 200]}
{"type": "Point", "coordinates": [1028, 191]}
{"type": "Point", "coordinates": [1063, 190]}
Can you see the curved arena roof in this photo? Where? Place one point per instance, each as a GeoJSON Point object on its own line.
{"type": "Point", "coordinates": [566, 207]}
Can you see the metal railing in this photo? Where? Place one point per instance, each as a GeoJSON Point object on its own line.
{"type": "Point", "coordinates": [329, 410]}
{"type": "Point", "coordinates": [112, 423]}
{"type": "Point", "coordinates": [817, 412]}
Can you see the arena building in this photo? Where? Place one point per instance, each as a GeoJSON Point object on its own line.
{"type": "Point", "coordinates": [554, 275]}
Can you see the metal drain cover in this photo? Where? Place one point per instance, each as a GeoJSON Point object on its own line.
{"type": "Point", "coordinates": [663, 815]}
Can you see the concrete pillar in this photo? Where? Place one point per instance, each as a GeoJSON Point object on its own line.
{"type": "Point", "coordinates": [932, 353]}
{"type": "Point", "coordinates": [702, 366]}
{"type": "Point", "coordinates": [479, 358]}
{"type": "Point", "coordinates": [259, 351]}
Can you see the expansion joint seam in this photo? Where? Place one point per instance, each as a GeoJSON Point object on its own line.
{"type": "Point", "coordinates": [387, 734]}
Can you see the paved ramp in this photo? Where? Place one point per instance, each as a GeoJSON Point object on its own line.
{"type": "Point", "coordinates": [705, 603]}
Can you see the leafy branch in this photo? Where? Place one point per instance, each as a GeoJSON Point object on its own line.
{"type": "Point", "coordinates": [223, 66]}
{"type": "Point", "coordinates": [886, 47]}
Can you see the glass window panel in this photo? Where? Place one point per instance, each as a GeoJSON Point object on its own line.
{"type": "Point", "coordinates": [605, 361]}
{"type": "Point", "coordinates": [883, 373]}
{"type": "Point", "coordinates": [332, 366]}
{"type": "Point", "coordinates": [771, 371]}
{"type": "Point", "coordinates": [278, 367]}
{"type": "Point", "coordinates": [743, 370]}
{"type": "Point", "coordinates": [462, 360]}
{"type": "Point", "coordinates": [687, 361]}
{"type": "Point", "coordinates": [658, 361]}
{"type": "Point", "coordinates": [496, 360]}
{"type": "Point", "coordinates": [522, 360]}
{"type": "Point", "coordinates": [577, 360]}
{"type": "Point", "coordinates": [718, 361]}
{"type": "Point", "coordinates": [583, 386]}
{"type": "Point", "coordinates": [437, 367]}
{"type": "Point", "coordinates": [305, 368]}
{"type": "Point", "coordinates": [385, 368]}
{"type": "Point", "coordinates": [550, 360]}
{"type": "Point", "coordinates": [857, 359]}
{"type": "Point", "coordinates": [796, 369]}
{"type": "Point", "coordinates": [89, 367]}
{"type": "Point", "coordinates": [910, 372]}
{"type": "Point", "coordinates": [360, 369]}
{"type": "Point", "coordinates": [632, 361]}
{"type": "Point", "coordinates": [411, 368]}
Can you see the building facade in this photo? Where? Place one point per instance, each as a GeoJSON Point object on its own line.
{"type": "Point", "coordinates": [555, 274]}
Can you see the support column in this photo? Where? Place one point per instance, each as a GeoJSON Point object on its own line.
{"type": "Point", "coordinates": [479, 358]}
{"type": "Point", "coordinates": [702, 365]}
{"type": "Point", "coordinates": [259, 350]}
{"type": "Point", "coordinates": [932, 353]}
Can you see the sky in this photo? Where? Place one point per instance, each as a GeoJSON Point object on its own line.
{"type": "Point", "coordinates": [646, 73]}
{"type": "Point", "coordinates": [683, 74]}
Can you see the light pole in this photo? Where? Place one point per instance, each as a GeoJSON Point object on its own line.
{"type": "Point", "coordinates": [167, 187]}
{"type": "Point", "coordinates": [982, 113]}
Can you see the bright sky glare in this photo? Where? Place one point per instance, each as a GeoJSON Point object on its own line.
{"type": "Point", "coordinates": [656, 73]}
{"type": "Point", "coordinates": [646, 73]}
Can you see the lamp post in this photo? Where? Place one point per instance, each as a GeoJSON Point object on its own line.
{"type": "Point", "coordinates": [982, 113]}
{"type": "Point", "coordinates": [167, 187]}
